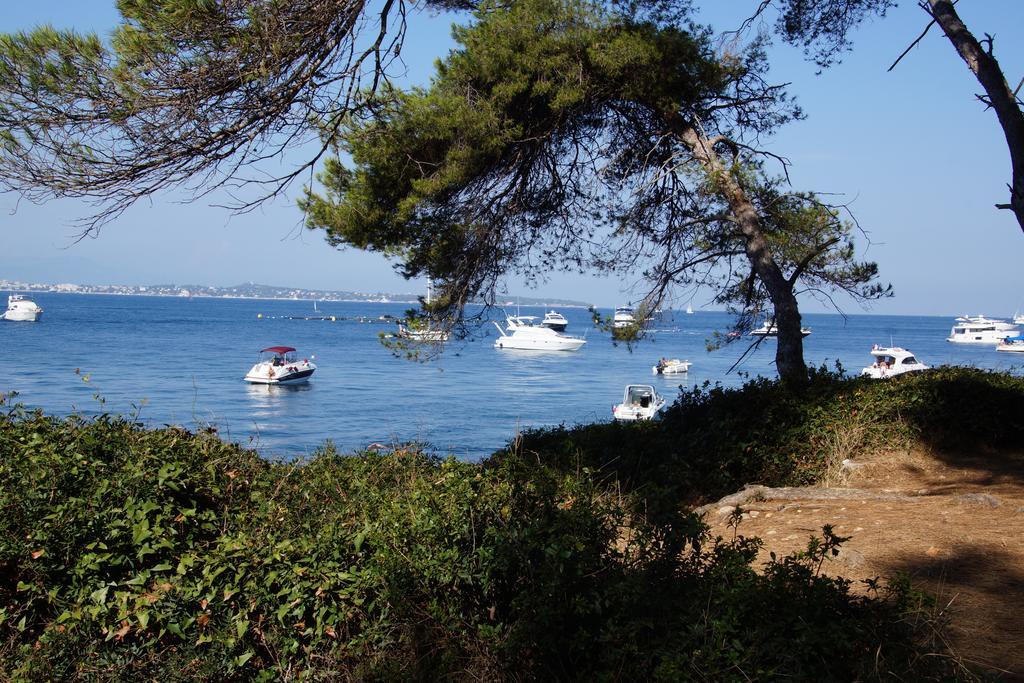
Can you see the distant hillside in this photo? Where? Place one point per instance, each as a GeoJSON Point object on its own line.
{"type": "Point", "coordinates": [252, 290]}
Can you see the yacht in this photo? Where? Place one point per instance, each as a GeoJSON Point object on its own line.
{"type": "Point", "coordinates": [672, 366]}
{"type": "Point", "coordinates": [987, 332]}
{"type": "Point", "coordinates": [639, 402]}
{"type": "Point", "coordinates": [1012, 344]}
{"type": "Point", "coordinates": [428, 334]}
{"type": "Point", "coordinates": [624, 317]}
{"type": "Point", "coordinates": [768, 329]}
{"type": "Point", "coordinates": [1018, 318]}
{"type": "Point", "coordinates": [1000, 325]}
{"type": "Point", "coordinates": [521, 333]}
{"type": "Point", "coordinates": [890, 361]}
{"type": "Point", "coordinates": [22, 309]}
{"type": "Point", "coordinates": [280, 365]}
{"type": "Point", "coordinates": [555, 320]}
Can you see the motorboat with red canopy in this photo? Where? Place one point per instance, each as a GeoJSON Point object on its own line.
{"type": "Point", "coordinates": [280, 365]}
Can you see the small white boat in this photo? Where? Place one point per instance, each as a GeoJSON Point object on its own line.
{"type": "Point", "coordinates": [689, 309]}
{"type": "Point", "coordinates": [1012, 345]}
{"type": "Point", "coordinates": [624, 317]}
{"type": "Point", "coordinates": [427, 334]}
{"type": "Point", "coordinates": [986, 332]}
{"type": "Point", "coordinates": [768, 329]}
{"type": "Point", "coordinates": [521, 333]}
{"type": "Point", "coordinates": [555, 320]}
{"type": "Point", "coordinates": [280, 365]}
{"type": "Point", "coordinates": [891, 361]}
{"type": "Point", "coordinates": [22, 309]}
{"type": "Point", "coordinates": [672, 366]}
{"type": "Point", "coordinates": [639, 402]}
{"type": "Point", "coordinates": [1018, 318]}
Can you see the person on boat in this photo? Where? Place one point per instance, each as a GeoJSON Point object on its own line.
{"type": "Point", "coordinates": [661, 364]}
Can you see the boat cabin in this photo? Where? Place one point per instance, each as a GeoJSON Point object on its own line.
{"type": "Point", "coordinates": [278, 355]}
{"type": "Point", "coordinates": [639, 395]}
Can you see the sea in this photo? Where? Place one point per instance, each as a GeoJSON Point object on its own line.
{"type": "Point", "coordinates": [180, 361]}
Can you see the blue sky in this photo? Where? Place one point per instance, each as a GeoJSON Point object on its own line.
{"type": "Point", "coordinates": [913, 151]}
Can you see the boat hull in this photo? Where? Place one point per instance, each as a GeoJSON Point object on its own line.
{"type": "Point", "coordinates": [1011, 348]}
{"type": "Point", "coordinates": [22, 316]}
{"type": "Point", "coordinates": [624, 413]}
{"type": "Point", "coordinates": [264, 373]}
{"type": "Point", "coordinates": [512, 343]}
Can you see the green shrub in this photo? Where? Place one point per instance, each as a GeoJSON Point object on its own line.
{"type": "Point", "coordinates": [128, 553]}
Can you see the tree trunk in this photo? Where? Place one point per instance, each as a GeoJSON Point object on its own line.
{"type": "Point", "coordinates": [1001, 98]}
{"type": "Point", "coordinates": [789, 353]}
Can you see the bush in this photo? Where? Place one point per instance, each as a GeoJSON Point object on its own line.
{"type": "Point", "coordinates": [129, 553]}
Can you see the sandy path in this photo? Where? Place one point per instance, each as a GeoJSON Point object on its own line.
{"type": "Point", "coordinates": [955, 524]}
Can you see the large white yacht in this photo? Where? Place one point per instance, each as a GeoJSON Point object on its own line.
{"type": "Point", "coordinates": [987, 332]}
{"type": "Point", "coordinates": [280, 365]}
{"type": "Point", "coordinates": [639, 402]}
{"type": "Point", "coordinates": [1000, 325]}
{"type": "Point", "coordinates": [624, 317]}
{"type": "Point", "coordinates": [521, 333]}
{"type": "Point", "coordinates": [22, 309]}
{"type": "Point", "coordinates": [891, 361]}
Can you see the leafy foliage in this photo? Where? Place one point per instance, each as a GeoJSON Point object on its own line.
{"type": "Point", "coordinates": [128, 553]}
{"type": "Point", "coordinates": [566, 135]}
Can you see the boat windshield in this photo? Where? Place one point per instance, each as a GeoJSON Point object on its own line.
{"type": "Point", "coordinates": [639, 396]}
{"type": "Point", "coordinates": [910, 360]}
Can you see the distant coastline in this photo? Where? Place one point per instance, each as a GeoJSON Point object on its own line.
{"type": "Point", "coordinates": [253, 291]}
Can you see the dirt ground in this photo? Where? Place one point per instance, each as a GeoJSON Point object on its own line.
{"type": "Point", "coordinates": [954, 523]}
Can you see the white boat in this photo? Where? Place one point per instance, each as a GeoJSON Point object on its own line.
{"type": "Point", "coordinates": [624, 317]}
{"type": "Point", "coordinates": [689, 309]}
{"type": "Point", "coordinates": [988, 332]}
{"type": "Point", "coordinates": [768, 329]}
{"type": "Point", "coordinates": [891, 361]}
{"type": "Point", "coordinates": [639, 402]}
{"type": "Point", "coordinates": [521, 333]}
{"type": "Point", "coordinates": [22, 309]}
{"type": "Point", "coordinates": [555, 320]}
{"type": "Point", "coordinates": [1018, 318]}
{"type": "Point", "coordinates": [280, 365]}
{"type": "Point", "coordinates": [1012, 344]}
{"type": "Point", "coordinates": [428, 334]}
{"type": "Point", "coordinates": [999, 325]}
{"type": "Point", "coordinates": [672, 366]}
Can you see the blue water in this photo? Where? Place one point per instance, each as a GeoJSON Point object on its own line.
{"type": "Point", "coordinates": [181, 361]}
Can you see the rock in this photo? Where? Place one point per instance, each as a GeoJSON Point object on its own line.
{"type": "Point", "coordinates": [851, 558]}
{"type": "Point", "coordinates": [848, 464]}
{"type": "Point", "coordinates": [932, 552]}
{"type": "Point", "coordinates": [980, 499]}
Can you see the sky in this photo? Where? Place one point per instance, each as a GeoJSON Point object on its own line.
{"type": "Point", "coordinates": [913, 152]}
